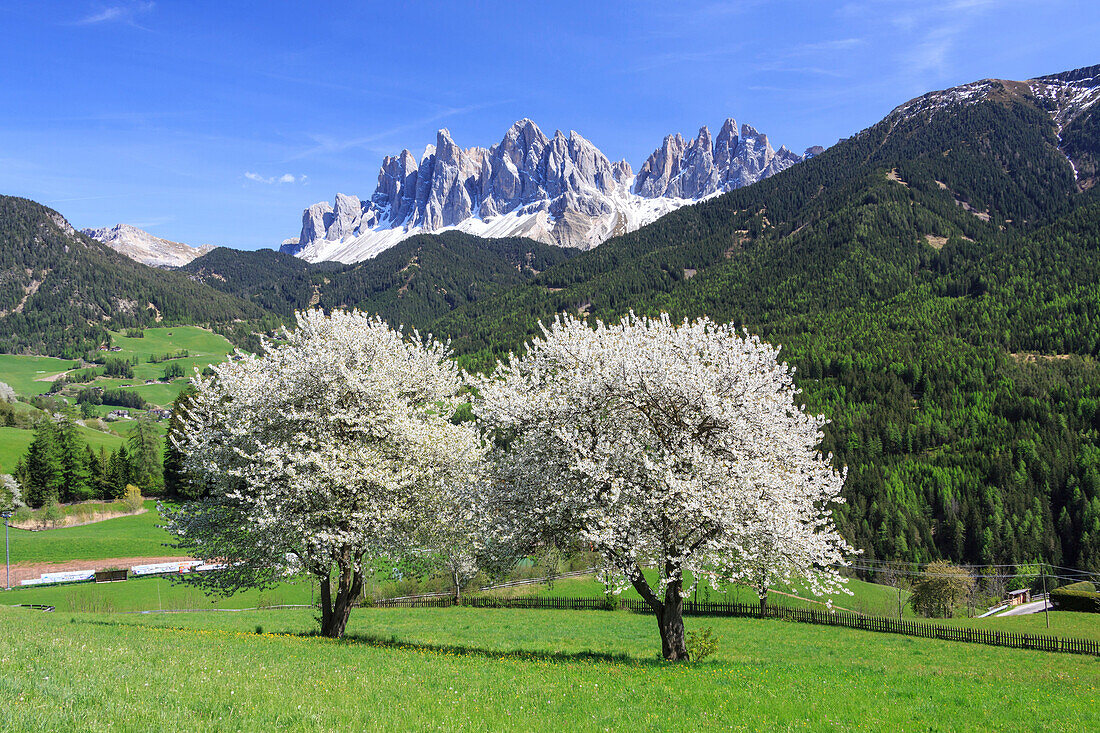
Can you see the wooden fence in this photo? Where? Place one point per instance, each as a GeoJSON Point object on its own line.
{"type": "Point", "coordinates": [846, 619]}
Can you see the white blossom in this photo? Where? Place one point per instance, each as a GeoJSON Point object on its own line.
{"type": "Point", "coordinates": [319, 454]}
{"type": "Point", "coordinates": [674, 446]}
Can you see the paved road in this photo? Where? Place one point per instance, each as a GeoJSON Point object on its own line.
{"type": "Point", "coordinates": [1023, 608]}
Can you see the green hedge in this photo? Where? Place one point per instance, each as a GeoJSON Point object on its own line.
{"type": "Point", "coordinates": [1079, 586]}
{"type": "Point", "coordinates": [1075, 597]}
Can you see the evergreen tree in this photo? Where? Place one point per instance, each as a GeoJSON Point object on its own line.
{"type": "Point", "coordinates": [74, 463]}
{"type": "Point", "coordinates": [175, 482]}
{"type": "Point", "coordinates": [118, 473]}
{"type": "Point", "coordinates": [44, 469]}
{"type": "Point", "coordinates": [144, 453]}
{"type": "Point", "coordinates": [97, 471]}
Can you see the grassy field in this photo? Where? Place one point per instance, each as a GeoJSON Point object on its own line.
{"type": "Point", "coordinates": [465, 669]}
{"type": "Point", "coordinates": [24, 372]}
{"type": "Point", "coordinates": [868, 598]}
{"type": "Point", "coordinates": [149, 594]}
{"type": "Point", "coordinates": [1062, 623]}
{"type": "Point", "coordinates": [199, 342]}
{"type": "Point", "coordinates": [15, 441]}
{"type": "Point", "coordinates": [133, 536]}
{"type": "Point", "coordinates": [203, 348]}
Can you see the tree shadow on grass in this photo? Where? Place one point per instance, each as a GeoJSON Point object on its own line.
{"type": "Point", "coordinates": [586, 656]}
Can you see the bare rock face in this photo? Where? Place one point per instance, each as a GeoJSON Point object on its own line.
{"type": "Point", "coordinates": [660, 174]}
{"type": "Point", "coordinates": [749, 162]}
{"type": "Point", "coordinates": [346, 217]}
{"type": "Point", "coordinates": [144, 247]}
{"type": "Point", "coordinates": [701, 167]}
{"type": "Point", "coordinates": [725, 146]}
{"type": "Point", "coordinates": [560, 190]}
{"type": "Point", "coordinates": [315, 222]}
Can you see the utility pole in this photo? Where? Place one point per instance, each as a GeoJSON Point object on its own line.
{"type": "Point", "coordinates": [7, 550]}
{"type": "Point", "coordinates": [1046, 601]}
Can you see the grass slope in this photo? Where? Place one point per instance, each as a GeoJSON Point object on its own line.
{"type": "Point", "coordinates": [133, 536]}
{"type": "Point", "coordinates": [868, 598]}
{"type": "Point", "coordinates": [149, 594]}
{"type": "Point", "coordinates": [461, 669]}
{"type": "Point", "coordinates": [25, 374]}
{"type": "Point", "coordinates": [15, 441]}
{"type": "Point", "coordinates": [203, 348]}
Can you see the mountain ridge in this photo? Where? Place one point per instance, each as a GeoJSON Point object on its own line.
{"type": "Point", "coordinates": [146, 248]}
{"type": "Point", "coordinates": [557, 190]}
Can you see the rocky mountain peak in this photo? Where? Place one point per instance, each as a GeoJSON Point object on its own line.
{"type": "Point", "coordinates": [560, 189]}
{"type": "Point", "coordinates": [146, 248]}
{"type": "Point", "coordinates": [704, 166]}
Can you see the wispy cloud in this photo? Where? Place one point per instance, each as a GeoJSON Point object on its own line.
{"type": "Point", "coordinates": [285, 178]}
{"type": "Point", "coordinates": [933, 29]}
{"type": "Point", "coordinates": [152, 223]}
{"type": "Point", "coordinates": [121, 13]}
{"type": "Point", "coordinates": [326, 144]}
{"type": "Point", "coordinates": [677, 58]}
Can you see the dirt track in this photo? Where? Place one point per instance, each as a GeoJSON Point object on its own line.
{"type": "Point", "coordinates": [27, 570]}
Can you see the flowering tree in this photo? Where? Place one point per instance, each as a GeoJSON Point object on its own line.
{"type": "Point", "coordinates": [11, 494]}
{"type": "Point", "coordinates": [677, 446]}
{"type": "Point", "coordinates": [318, 455]}
{"type": "Point", "coordinates": [450, 533]}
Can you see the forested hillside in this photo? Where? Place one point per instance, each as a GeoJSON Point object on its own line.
{"type": "Point", "coordinates": [934, 280]}
{"type": "Point", "coordinates": [60, 291]}
{"type": "Point", "coordinates": [414, 282]}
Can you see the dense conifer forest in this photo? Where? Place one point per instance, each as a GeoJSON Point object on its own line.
{"type": "Point", "coordinates": [413, 282]}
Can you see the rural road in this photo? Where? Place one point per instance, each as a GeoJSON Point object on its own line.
{"type": "Point", "coordinates": [1024, 608]}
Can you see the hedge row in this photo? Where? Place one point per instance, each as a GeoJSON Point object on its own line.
{"type": "Point", "coordinates": [1080, 596]}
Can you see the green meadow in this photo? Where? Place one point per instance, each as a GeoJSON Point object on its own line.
{"type": "Point", "coordinates": [25, 374]}
{"type": "Point", "coordinates": [137, 535]}
{"type": "Point", "coordinates": [467, 669]}
{"type": "Point", "coordinates": [15, 441]}
{"type": "Point", "coordinates": [153, 594]}
{"type": "Point", "coordinates": [864, 597]}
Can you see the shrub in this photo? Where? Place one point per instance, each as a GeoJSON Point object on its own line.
{"type": "Point", "coordinates": [1076, 597]}
{"type": "Point", "coordinates": [132, 499]}
{"type": "Point", "coordinates": [701, 644]}
{"type": "Point", "coordinates": [51, 514]}
{"type": "Point", "coordinates": [940, 588]}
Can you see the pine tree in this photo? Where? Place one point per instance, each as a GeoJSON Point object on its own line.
{"type": "Point", "coordinates": [118, 473]}
{"type": "Point", "coordinates": [97, 471]}
{"type": "Point", "coordinates": [74, 464]}
{"type": "Point", "coordinates": [144, 452]}
{"type": "Point", "coordinates": [45, 476]}
{"type": "Point", "coordinates": [175, 483]}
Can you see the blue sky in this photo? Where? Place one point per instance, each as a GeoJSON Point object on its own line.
{"type": "Point", "coordinates": [218, 122]}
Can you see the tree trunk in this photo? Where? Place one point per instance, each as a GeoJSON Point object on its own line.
{"type": "Point", "coordinates": [670, 620]}
{"type": "Point", "coordinates": [335, 611]}
{"type": "Point", "coordinates": [458, 587]}
{"type": "Point", "coordinates": [763, 604]}
{"type": "Point", "coordinates": [670, 614]}
{"type": "Point", "coordinates": [337, 616]}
